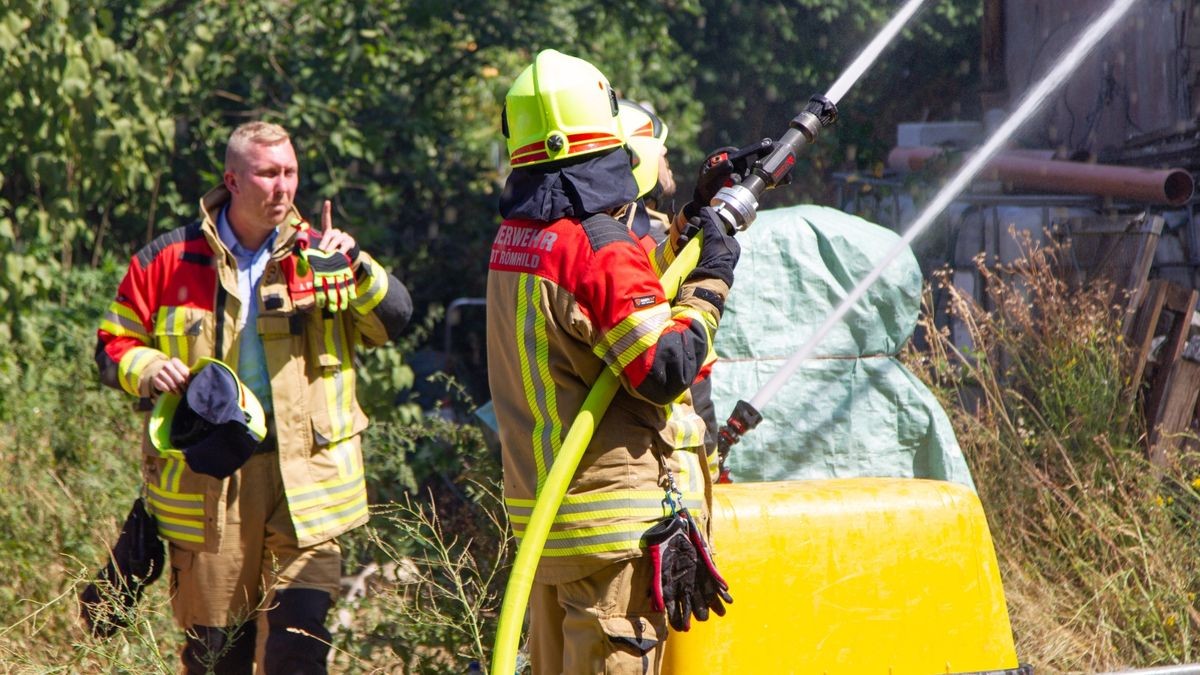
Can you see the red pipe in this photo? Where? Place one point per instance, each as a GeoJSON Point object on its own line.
{"type": "Point", "coordinates": [1018, 169]}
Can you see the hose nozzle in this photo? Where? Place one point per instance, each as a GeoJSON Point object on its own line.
{"type": "Point", "coordinates": [818, 114]}
{"type": "Point", "coordinates": [743, 418]}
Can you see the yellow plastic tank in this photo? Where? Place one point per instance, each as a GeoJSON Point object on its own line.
{"type": "Point", "coordinates": [858, 576]}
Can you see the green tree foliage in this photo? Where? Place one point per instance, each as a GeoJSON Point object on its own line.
{"type": "Point", "coordinates": [759, 63]}
{"type": "Point", "coordinates": [85, 140]}
{"type": "Point", "coordinates": [118, 112]}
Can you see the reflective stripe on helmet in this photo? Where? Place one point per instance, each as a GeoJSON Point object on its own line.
{"type": "Point", "coordinates": [577, 144]}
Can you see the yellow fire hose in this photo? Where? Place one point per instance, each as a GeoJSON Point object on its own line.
{"type": "Point", "coordinates": [520, 579]}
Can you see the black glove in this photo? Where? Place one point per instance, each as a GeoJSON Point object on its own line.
{"type": "Point", "coordinates": [719, 252]}
{"type": "Point", "coordinates": [673, 555]}
{"type": "Point", "coordinates": [716, 172]}
{"type": "Point", "coordinates": [710, 590]}
{"type": "Point", "coordinates": [136, 561]}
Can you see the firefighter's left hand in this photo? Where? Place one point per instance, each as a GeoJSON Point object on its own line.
{"type": "Point", "coordinates": [716, 172]}
{"type": "Point", "coordinates": [719, 251]}
{"type": "Point", "coordinates": [333, 239]}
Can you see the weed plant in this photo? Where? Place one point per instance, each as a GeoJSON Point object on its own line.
{"type": "Point", "coordinates": [69, 467]}
{"type": "Point", "coordinates": [1098, 549]}
{"type": "Point", "coordinates": [422, 580]}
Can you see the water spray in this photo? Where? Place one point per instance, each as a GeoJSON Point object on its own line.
{"type": "Point", "coordinates": [746, 415]}
{"type": "Point", "coordinates": [737, 204]}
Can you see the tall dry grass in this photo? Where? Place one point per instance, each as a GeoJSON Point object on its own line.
{"type": "Point", "coordinates": [1098, 548]}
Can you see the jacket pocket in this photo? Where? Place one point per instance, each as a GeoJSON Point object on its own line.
{"type": "Point", "coordinates": [633, 642]}
{"type": "Point", "coordinates": [335, 412]}
{"type": "Point", "coordinates": [183, 332]}
{"type": "Point", "coordinates": [176, 496]}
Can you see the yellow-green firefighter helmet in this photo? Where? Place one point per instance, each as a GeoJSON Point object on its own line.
{"type": "Point", "coordinates": [559, 107]}
{"type": "Point", "coordinates": [162, 417]}
{"type": "Point", "coordinates": [645, 134]}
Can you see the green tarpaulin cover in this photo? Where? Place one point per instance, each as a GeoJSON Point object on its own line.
{"type": "Point", "coordinates": [852, 409]}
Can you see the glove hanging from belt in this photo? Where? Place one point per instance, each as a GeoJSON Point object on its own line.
{"type": "Point", "coordinates": [685, 582]}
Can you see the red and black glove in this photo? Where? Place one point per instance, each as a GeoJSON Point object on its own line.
{"type": "Point", "coordinates": [674, 558]}
{"type": "Point", "coordinates": [717, 171]}
{"type": "Point", "coordinates": [710, 592]}
{"type": "Point", "coordinates": [686, 582]}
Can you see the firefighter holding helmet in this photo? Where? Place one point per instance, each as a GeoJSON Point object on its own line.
{"type": "Point", "coordinates": [571, 293]}
{"type": "Point", "coordinates": [251, 520]}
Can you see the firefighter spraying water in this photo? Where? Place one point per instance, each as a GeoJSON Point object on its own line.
{"type": "Point", "coordinates": [734, 206]}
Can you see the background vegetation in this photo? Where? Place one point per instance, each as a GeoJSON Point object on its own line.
{"type": "Point", "coordinates": [1097, 547]}
{"type": "Point", "coordinates": [117, 114]}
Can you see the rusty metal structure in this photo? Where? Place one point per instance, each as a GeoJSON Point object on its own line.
{"type": "Point", "coordinates": [1109, 163]}
{"type": "Point", "coordinates": [1171, 187]}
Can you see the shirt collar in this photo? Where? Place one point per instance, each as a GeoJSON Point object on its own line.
{"type": "Point", "coordinates": [225, 232]}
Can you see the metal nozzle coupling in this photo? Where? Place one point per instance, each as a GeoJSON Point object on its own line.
{"type": "Point", "coordinates": [737, 206]}
{"type": "Point", "coordinates": [818, 114]}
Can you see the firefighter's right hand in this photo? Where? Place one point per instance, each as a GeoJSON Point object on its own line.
{"type": "Point", "coordinates": [333, 277]}
{"type": "Point", "coordinates": [719, 251]}
{"type": "Point", "coordinates": [716, 172]}
{"type": "Point", "coordinates": [171, 376]}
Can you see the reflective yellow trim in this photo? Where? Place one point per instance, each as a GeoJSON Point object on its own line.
{"type": "Point", "coordinates": [636, 529]}
{"type": "Point", "coordinates": [163, 500]}
{"type": "Point", "coordinates": [333, 491]}
{"type": "Point", "coordinates": [172, 473]}
{"type": "Point", "coordinates": [606, 547]}
{"type": "Point", "coordinates": [121, 320]}
{"type": "Point", "coordinates": [690, 478]}
{"type": "Point", "coordinates": [631, 337]}
{"type": "Point", "coordinates": [591, 497]}
{"type": "Point", "coordinates": [356, 503]}
{"type": "Point", "coordinates": [335, 378]}
{"type": "Point", "coordinates": [635, 505]}
{"type": "Point", "coordinates": [645, 514]}
{"type": "Point", "coordinates": [320, 522]}
{"type": "Point", "coordinates": [132, 365]}
{"type": "Point", "coordinates": [179, 532]}
{"type": "Point", "coordinates": [172, 527]}
{"type": "Point", "coordinates": [344, 455]}
{"type": "Point", "coordinates": [170, 327]}
{"type": "Point", "coordinates": [687, 425]}
{"type": "Point", "coordinates": [553, 433]}
{"type": "Point", "coordinates": [694, 314]}
{"type": "Point", "coordinates": [183, 522]}
{"type": "Point", "coordinates": [374, 294]}
{"type": "Point", "coordinates": [591, 540]}
{"type": "Point", "coordinates": [540, 393]}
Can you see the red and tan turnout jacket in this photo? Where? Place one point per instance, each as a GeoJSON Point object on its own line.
{"type": "Point", "coordinates": [567, 299]}
{"type": "Point", "coordinates": [179, 299]}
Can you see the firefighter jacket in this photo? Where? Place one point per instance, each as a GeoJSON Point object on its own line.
{"type": "Point", "coordinates": [179, 299]}
{"type": "Point", "coordinates": [567, 299]}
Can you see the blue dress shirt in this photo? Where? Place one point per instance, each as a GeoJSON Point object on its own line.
{"type": "Point", "coordinates": [252, 360]}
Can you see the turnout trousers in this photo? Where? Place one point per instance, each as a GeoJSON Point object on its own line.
{"type": "Point", "coordinates": [601, 623]}
{"type": "Point", "coordinates": [245, 598]}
